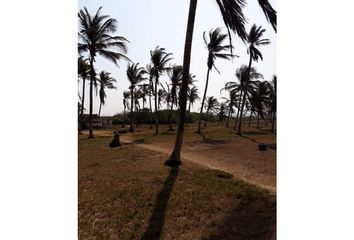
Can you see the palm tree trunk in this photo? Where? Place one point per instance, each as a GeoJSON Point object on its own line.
{"type": "Point", "coordinates": [175, 157]}
{"type": "Point", "coordinates": [228, 117]}
{"type": "Point", "coordinates": [238, 111]}
{"type": "Point", "coordinates": [99, 111]}
{"type": "Point", "coordinates": [170, 116]}
{"type": "Point", "coordinates": [92, 73]}
{"type": "Point", "coordinates": [131, 128]}
{"type": "Point", "coordinates": [244, 95]}
{"type": "Point", "coordinates": [250, 119]}
{"type": "Point", "coordinates": [82, 105]}
{"type": "Point", "coordinates": [201, 109]}
{"type": "Point", "coordinates": [258, 120]}
{"type": "Point", "coordinates": [156, 109]}
{"type": "Point", "coordinates": [206, 117]}
{"type": "Point", "coordinates": [123, 125]}
{"type": "Point", "coordinates": [189, 112]}
{"type": "Point", "coordinates": [273, 123]}
{"type": "Point", "coordinates": [150, 111]}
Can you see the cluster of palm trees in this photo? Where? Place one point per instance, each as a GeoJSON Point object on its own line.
{"type": "Point", "coordinates": [145, 82]}
{"type": "Point", "coordinates": [247, 94]}
{"type": "Point", "coordinates": [95, 39]}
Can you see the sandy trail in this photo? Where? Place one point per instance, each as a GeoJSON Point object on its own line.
{"type": "Point", "coordinates": [243, 162]}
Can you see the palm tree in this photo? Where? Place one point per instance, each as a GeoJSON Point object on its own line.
{"type": "Point", "coordinates": [126, 96]}
{"type": "Point", "coordinates": [234, 20]}
{"type": "Point", "coordinates": [273, 100]}
{"type": "Point", "coordinates": [106, 81]}
{"type": "Point", "coordinates": [144, 88]}
{"type": "Point", "coordinates": [192, 98]}
{"type": "Point", "coordinates": [159, 60]}
{"type": "Point", "coordinates": [222, 112]}
{"type": "Point", "coordinates": [260, 99]}
{"type": "Point", "coordinates": [212, 105]}
{"type": "Point", "coordinates": [242, 86]}
{"type": "Point", "coordinates": [215, 51]}
{"type": "Point", "coordinates": [269, 12]}
{"type": "Point", "coordinates": [161, 97]}
{"type": "Point", "coordinates": [83, 71]}
{"type": "Point", "coordinates": [231, 103]}
{"type": "Point", "coordinates": [254, 39]}
{"type": "Point", "coordinates": [135, 76]}
{"type": "Point", "coordinates": [95, 34]}
{"type": "Point", "coordinates": [175, 75]}
{"type": "Point", "coordinates": [149, 70]}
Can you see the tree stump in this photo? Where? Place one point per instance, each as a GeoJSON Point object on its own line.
{"type": "Point", "coordinates": [116, 140]}
{"type": "Point", "coordinates": [262, 147]}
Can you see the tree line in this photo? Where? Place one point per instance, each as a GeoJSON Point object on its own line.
{"type": "Point", "coordinates": [249, 93]}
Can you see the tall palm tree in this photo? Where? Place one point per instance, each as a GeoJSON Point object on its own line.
{"type": "Point", "coordinates": [161, 97]}
{"type": "Point", "coordinates": [144, 88]}
{"type": "Point", "coordinates": [212, 105]}
{"type": "Point", "coordinates": [231, 103]}
{"type": "Point", "coordinates": [175, 76]}
{"type": "Point", "coordinates": [260, 99]}
{"type": "Point", "coordinates": [234, 20]}
{"type": "Point", "coordinates": [96, 39]}
{"type": "Point", "coordinates": [215, 50]}
{"type": "Point", "coordinates": [83, 71]}
{"type": "Point", "coordinates": [126, 96]}
{"type": "Point", "coordinates": [244, 85]}
{"type": "Point", "coordinates": [106, 81]}
{"type": "Point", "coordinates": [273, 100]}
{"type": "Point", "coordinates": [135, 76]}
{"type": "Point", "coordinates": [192, 98]}
{"type": "Point", "coordinates": [149, 70]}
{"type": "Point", "coordinates": [159, 60]}
{"type": "Point", "coordinates": [223, 109]}
{"type": "Point", "coordinates": [254, 40]}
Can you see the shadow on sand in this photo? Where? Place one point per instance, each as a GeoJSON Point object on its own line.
{"type": "Point", "coordinates": [153, 231]}
{"type": "Point", "coordinates": [211, 140]}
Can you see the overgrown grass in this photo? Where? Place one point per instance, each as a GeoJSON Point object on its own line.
{"type": "Point", "coordinates": [127, 193]}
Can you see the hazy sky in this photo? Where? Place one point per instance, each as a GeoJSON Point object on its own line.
{"type": "Point", "coordinates": [150, 23]}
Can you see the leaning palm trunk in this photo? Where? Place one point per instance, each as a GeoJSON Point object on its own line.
{"type": "Point", "coordinates": [201, 108]}
{"type": "Point", "coordinates": [123, 124]}
{"type": "Point", "coordinates": [150, 111]}
{"type": "Point", "coordinates": [156, 107]}
{"type": "Point", "coordinates": [238, 111]}
{"type": "Point", "coordinates": [82, 105]}
{"type": "Point", "coordinates": [273, 123]}
{"type": "Point", "coordinates": [170, 117]}
{"type": "Point", "coordinates": [99, 111]}
{"type": "Point", "coordinates": [228, 117]}
{"type": "Point", "coordinates": [206, 118]}
{"type": "Point", "coordinates": [92, 73]}
{"type": "Point", "coordinates": [175, 157]}
{"type": "Point", "coordinates": [189, 113]}
{"type": "Point", "coordinates": [245, 95]}
{"type": "Point", "coordinates": [250, 119]}
{"type": "Point", "coordinates": [131, 128]}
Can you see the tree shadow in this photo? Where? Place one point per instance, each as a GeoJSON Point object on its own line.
{"type": "Point", "coordinates": [270, 146]}
{"type": "Point", "coordinates": [153, 231]}
{"type": "Point", "coordinates": [211, 140]}
{"type": "Point", "coordinates": [256, 221]}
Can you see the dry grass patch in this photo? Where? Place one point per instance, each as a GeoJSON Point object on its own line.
{"type": "Point", "coordinates": [127, 193]}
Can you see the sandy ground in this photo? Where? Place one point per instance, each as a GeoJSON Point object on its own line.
{"type": "Point", "coordinates": [242, 158]}
{"type": "Point", "coordinates": [243, 161]}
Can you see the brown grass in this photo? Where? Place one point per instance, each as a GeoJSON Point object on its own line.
{"type": "Point", "coordinates": [127, 193]}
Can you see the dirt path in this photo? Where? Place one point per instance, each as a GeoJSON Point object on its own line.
{"type": "Point", "coordinates": [243, 161]}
